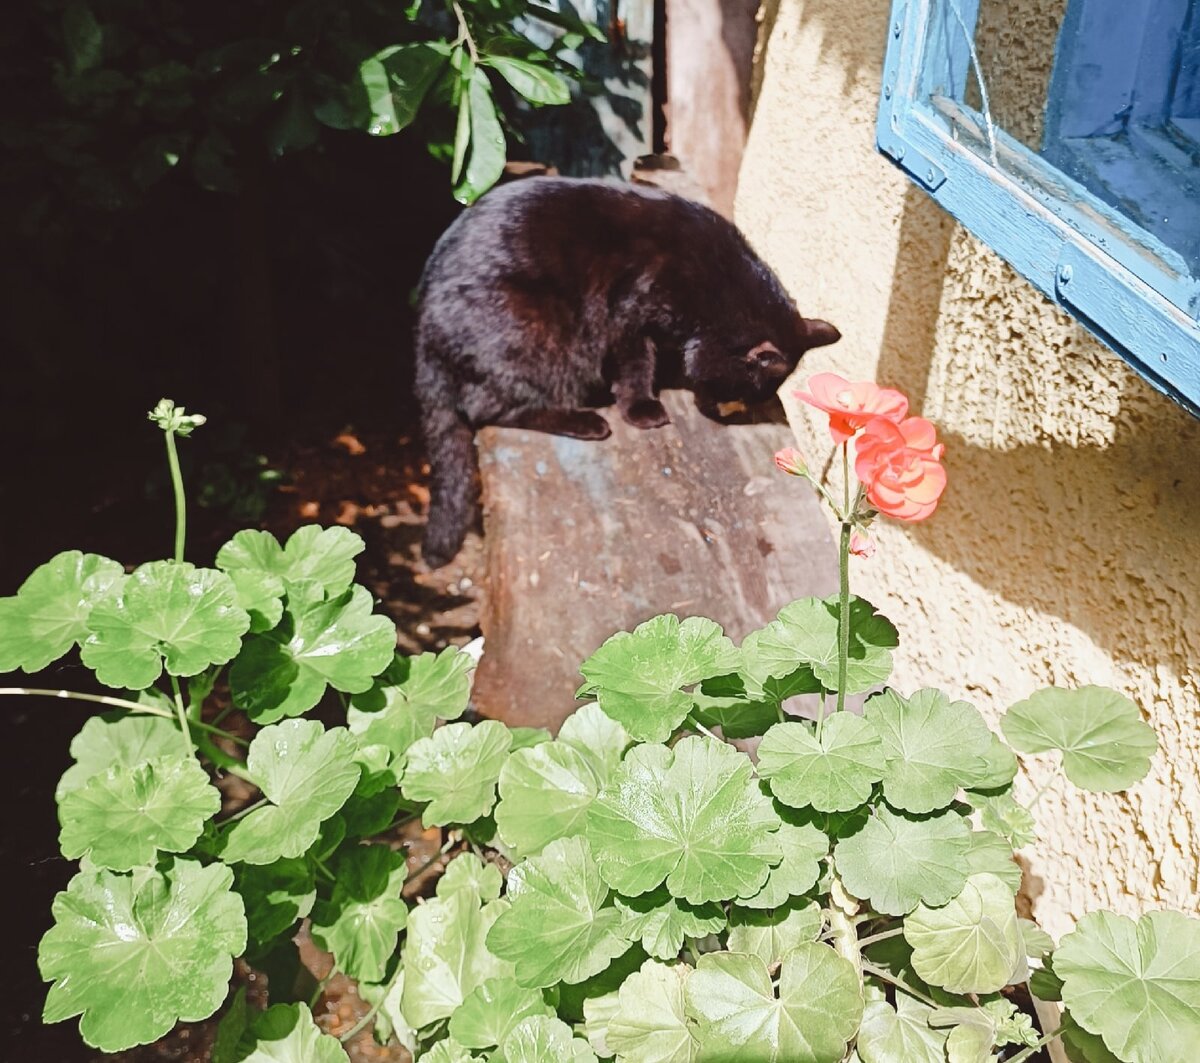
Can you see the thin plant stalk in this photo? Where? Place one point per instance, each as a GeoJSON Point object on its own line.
{"type": "Point", "coordinates": [844, 585]}
{"type": "Point", "coordinates": [1027, 1053]}
{"type": "Point", "coordinates": [180, 501]}
{"type": "Point", "coordinates": [181, 712]}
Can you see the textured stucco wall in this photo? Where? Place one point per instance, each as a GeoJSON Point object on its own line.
{"type": "Point", "coordinates": [1067, 549]}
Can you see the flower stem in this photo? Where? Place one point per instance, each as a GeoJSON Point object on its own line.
{"type": "Point", "coordinates": [181, 712]}
{"type": "Point", "coordinates": [1026, 1053]}
{"type": "Point", "coordinates": [180, 501]}
{"type": "Point", "coordinates": [843, 616]}
{"type": "Point", "coordinates": [362, 1023]}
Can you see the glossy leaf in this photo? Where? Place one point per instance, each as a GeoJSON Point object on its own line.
{"type": "Point", "coordinates": [396, 81]}
{"type": "Point", "coordinates": [898, 861]}
{"type": "Point", "coordinates": [275, 896]}
{"type": "Point", "coordinates": [804, 847]}
{"type": "Point", "coordinates": [1135, 984]}
{"type": "Point", "coordinates": [448, 1051]}
{"type": "Point", "coordinates": [771, 935]}
{"type": "Point", "coordinates": [325, 555]}
{"type": "Point", "coordinates": [649, 1023]}
{"type": "Point", "coordinates": [1105, 744]}
{"type": "Point", "coordinates": [833, 774]}
{"type": "Point", "coordinates": [116, 740]}
{"type": "Point", "coordinates": [361, 922]}
{"type": "Point", "coordinates": [931, 746]}
{"type": "Point", "coordinates": [535, 83]}
{"type": "Point", "coordinates": [410, 696]}
{"type": "Point", "coordinates": [595, 736]}
{"type": "Point", "coordinates": [467, 872]}
{"type": "Point", "coordinates": [488, 151]}
{"type": "Point", "coordinates": [134, 954]}
{"type": "Point", "coordinates": [492, 1009]}
{"type": "Point", "coordinates": [307, 774]}
{"type": "Point", "coordinates": [692, 815]}
{"type": "Point", "coordinates": [972, 944]}
{"type": "Point", "coordinates": [661, 922]}
{"type": "Point", "coordinates": [900, 1034]}
{"type": "Point", "coordinates": [640, 678]}
{"type": "Point", "coordinates": [166, 614]}
{"type": "Point", "coordinates": [456, 771]}
{"type": "Point", "coordinates": [557, 929]}
{"type": "Point", "coordinates": [543, 1039]}
{"type": "Point", "coordinates": [817, 1012]}
{"type": "Point", "coordinates": [49, 613]}
{"type": "Point", "coordinates": [320, 642]}
{"type": "Point", "coordinates": [261, 595]}
{"type": "Point", "coordinates": [127, 816]}
{"type": "Point", "coordinates": [284, 1033]}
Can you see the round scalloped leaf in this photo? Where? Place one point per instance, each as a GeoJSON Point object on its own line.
{"type": "Point", "coordinates": [1105, 744]}
{"type": "Point", "coordinates": [127, 816]}
{"type": "Point", "coordinates": [817, 1012]}
{"type": "Point", "coordinates": [761, 667]}
{"type": "Point", "coordinates": [639, 677]}
{"type": "Point", "coordinates": [284, 1033]}
{"type": "Point", "coordinates": [1001, 814]}
{"type": "Point", "coordinates": [320, 642]}
{"type": "Point", "coordinates": [116, 740]}
{"type": "Point", "coordinates": [456, 770]}
{"type": "Point", "coordinates": [595, 736]}
{"type": "Point", "coordinates": [1081, 1046]}
{"type": "Point", "coordinates": [361, 923]}
{"type": "Point", "coordinates": [167, 613]}
{"type": "Point", "coordinates": [134, 954]}
{"type": "Point", "coordinates": [275, 896]}
{"type": "Point", "coordinates": [931, 745]}
{"type": "Point", "coordinates": [898, 861]}
{"type": "Point", "coordinates": [661, 921]}
{"type": "Point", "coordinates": [410, 696]}
{"type": "Point", "coordinates": [1037, 942]}
{"type": "Point", "coordinates": [770, 935]}
{"type": "Point", "coordinates": [545, 792]}
{"type": "Point", "coordinates": [260, 595]}
{"type": "Point", "coordinates": [692, 815]}
{"type": "Point", "coordinates": [307, 774]}
{"type": "Point", "coordinates": [832, 774]}
{"type": "Point", "coordinates": [325, 555]}
{"type": "Point", "coordinates": [1136, 985]}
{"type": "Point", "coordinates": [48, 615]}
{"type": "Point", "coordinates": [991, 853]}
{"type": "Point", "coordinates": [972, 944]}
{"type": "Point", "coordinates": [1000, 766]}
{"type": "Point", "coordinates": [804, 847]}
{"type": "Point", "coordinates": [900, 1034]}
{"type": "Point", "coordinates": [448, 1051]}
{"type": "Point", "coordinates": [468, 872]}
{"type": "Point", "coordinates": [806, 634]}
{"type": "Point", "coordinates": [543, 1039]}
{"type": "Point", "coordinates": [649, 1023]}
{"type": "Point", "coordinates": [558, 929]}
{"type": "Point", "coordinates": [492, 1009]}
{"type": "Point", "coordinates": [446, 956]}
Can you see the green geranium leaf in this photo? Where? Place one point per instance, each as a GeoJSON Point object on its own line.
{"type": "Point", "coordinates": [649, 1023]}
{"type": "Point", "coordinates": [1000, 767]}
{"type": "Point", "coordinates": [832, 774]}
{"type": "Point", "coordinates": [1084, 1047]}
{"type": "Point", "coordinates": [127, 816]}
{"type": "Point", "coordinates": [897, 861]}
{"type": "Point", "coordinates": [276, 896]}
{"type": "Point", "coordinates": [284, 1033]}
{"type": "Point", "coordinates": [307, 773]}
{"type": "Point", "coordinates": [804, 847]}
{"type": "Point", "coordinates": [261, 595]}
{"type": "Point", "coordinates": [771, 935]}
{"type": "Point", "coordinates": [574, 1000]}
{"type": "Point", "coordinates": [596, 737]}
{"type": "Point", "coordinates": [166, 612]}
{"type": "Point", "coordinates": [733, 713]}
{"type": "Point", "coordinates": [818, 1009]}
{"type": "Point", "coordinates": [320, 642]}
{"type": "Point", "coordinates": [448, 1051]}
{"type": "Point", "coordinates": [1044, 983]}
{"type": "Point", "coordinates": [932, 746]}
{"type": "Point", "coordinates": [468, 872]}
{"type": "Point", "coordinates": [997, 1020]}
{"type": "Point", "coordinates": [456, 771]}
{"type": "Point", "coordinates": [762, 672]}
{"type": "Point", "coordinates": [692, 815]}
{"type": "Point", "coordinates": [1001, 814]}
{"type": "Point", "coordinates": [545, 792]}
{"type": "Point", "coordinates": [492, 1009]}
{"type": "Point", "coordinates": [900, 1034]}
{"type": "Point", "coordinates": [446, 956]}
{"type": "Point", "coordinates": [640, 678]}
{"type": "Point", "coordinates": [528, 737]}
{"type": "Point", "coordinates": [543, 1039]}
{"type": "Point", "coordinates": [325, 555]}
{"type": "Point", "coordinates": [1104, 742]}
{"type": "Point", "coordinates": [973, 944]}
{"type": "Point", "coordinates": [661, 922]}
{"type": "Point", "coordinates": [49, 613]}
{"type": "Point", "coordinates": [558, 929]}
{"type": "Point", "coordinates": [1135, 984]}
{"type": "Point", "coordinates": [991, 853]}
{"type": "Point", "coordinates": [134, 954]}
{"type": "Point", "coordinates": [116, 740]}
{"type": "Point", "coordinates": [410, 696]}
{"type": "Point", "coordinates": [361, 922]}
{"type": "Point", "coordinates": [806, 634]}
{"type": "Point", "coordinates": [970, 1044]}
{"type": "Point", "coordinates": [598, 1013]}
{"type": "Point", "coordinates": [1037, 942]}
{"type": "Point", "coordinates": [389, 1019]}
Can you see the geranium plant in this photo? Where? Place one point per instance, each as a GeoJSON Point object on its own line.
{"type": "Point", "coordinates": [636, 888]}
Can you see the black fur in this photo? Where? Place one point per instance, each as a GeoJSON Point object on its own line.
{"type": "Point", "coordinates": [552, 296]}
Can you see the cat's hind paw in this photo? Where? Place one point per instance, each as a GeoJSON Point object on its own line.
{"type": "Point", "coordinates": [647, 413]}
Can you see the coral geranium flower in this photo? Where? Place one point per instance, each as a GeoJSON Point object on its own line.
{"type": "Point", "coordinates": [852, 405]}
{"type": "Point", "coordinates": [900, 467]}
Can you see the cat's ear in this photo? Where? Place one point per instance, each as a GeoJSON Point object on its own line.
{"type": "Point", "coordinates": [818, 333]}
{"type": "Point", "coordinates": [767, 358]}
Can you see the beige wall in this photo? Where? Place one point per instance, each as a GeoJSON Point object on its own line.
{"type": "Point", "coordinates": [1067, 549]}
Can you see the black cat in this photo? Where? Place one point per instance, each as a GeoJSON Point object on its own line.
{"type": "Point", "coordinates": [554, 295]}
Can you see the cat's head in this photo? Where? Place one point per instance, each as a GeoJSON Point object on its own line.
{"type": "Point", "coordinates": [751, 363]}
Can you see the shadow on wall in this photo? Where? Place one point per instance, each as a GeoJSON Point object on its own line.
{"type": "Point", "coordinates": [1100, 529]}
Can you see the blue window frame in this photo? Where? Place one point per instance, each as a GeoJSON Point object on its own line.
{"type": "Point", "coordinates": [1103, 216]}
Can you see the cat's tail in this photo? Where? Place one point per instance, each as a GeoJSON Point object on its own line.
{"type": "Point", "coordinates": [453, 464]}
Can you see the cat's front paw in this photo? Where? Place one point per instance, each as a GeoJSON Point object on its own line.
{"type": "Point", "coordinates": [647, 413]}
